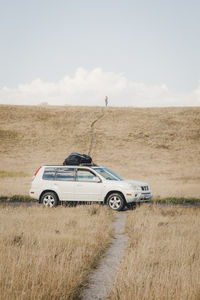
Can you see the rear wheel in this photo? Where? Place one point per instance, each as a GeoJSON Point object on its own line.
{"type": "Point", "coordinates": [116, 201]}
{"type": "Point", "coordinates": [50, 199]}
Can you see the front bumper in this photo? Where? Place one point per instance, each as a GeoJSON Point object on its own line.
{"type": "Point", "coordinates": [139, 197]}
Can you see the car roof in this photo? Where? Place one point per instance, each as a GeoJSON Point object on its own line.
{"type": "Point", "coordinates": [71, 166]}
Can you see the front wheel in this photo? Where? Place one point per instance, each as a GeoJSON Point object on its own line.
{"type": "Point", "coordinates": [50, 199]}
{"type": "Point", "coordinates": [116, 201]}
{"type": "Point", "coordinates": [131, 205]}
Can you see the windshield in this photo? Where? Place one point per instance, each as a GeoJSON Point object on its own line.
{"type": "Point", "coordinates": [108, 174]}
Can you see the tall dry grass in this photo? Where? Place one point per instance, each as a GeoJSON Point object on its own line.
{"type": "Point", "coordinates": [48, 253]}
{"type": "Point", "coordinates": [163, 255]}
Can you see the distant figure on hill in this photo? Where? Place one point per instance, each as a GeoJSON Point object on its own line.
{"type": "Point", "coordinates": [106, 101]}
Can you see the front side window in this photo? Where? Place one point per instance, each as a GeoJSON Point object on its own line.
{"type": "Point", "coordinates": [65, 174]}
{"type": "Point", "coordinates": [49, 174]}
{"type": "Point", "coordinates": [86, 175]}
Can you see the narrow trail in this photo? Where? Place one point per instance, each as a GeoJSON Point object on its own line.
{"type": "Point", "coordinates": [102, 280]}
{"type": "Point", "coordinates": [92, 131]}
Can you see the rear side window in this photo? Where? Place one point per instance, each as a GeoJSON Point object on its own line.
{"type": "Point", "coordinates": [65, 174]}
{"type": "Point", "coordinates": [49, 174]}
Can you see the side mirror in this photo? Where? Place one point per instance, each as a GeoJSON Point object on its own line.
{"type": "Point", "coordinates": [97, 179]}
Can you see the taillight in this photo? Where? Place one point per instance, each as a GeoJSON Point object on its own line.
{"type": "Point", "coordinates": [36, 173]}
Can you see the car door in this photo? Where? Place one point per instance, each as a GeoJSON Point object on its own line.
{"type": "Point", "coordinates": [88, 186]}
{"type": "Point", "coordinates": [64, 183]}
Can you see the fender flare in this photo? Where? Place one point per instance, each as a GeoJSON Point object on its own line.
{"type": "Point", "coordinates": [111, 192]}
{"type": "Point", "coordinates": [48, 190]}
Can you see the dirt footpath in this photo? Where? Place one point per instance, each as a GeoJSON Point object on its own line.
{"type": "Point", "coordinates": [103, 278]}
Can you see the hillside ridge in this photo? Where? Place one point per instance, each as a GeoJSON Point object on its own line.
{"type": "Point", "coordinates": [155, 145]}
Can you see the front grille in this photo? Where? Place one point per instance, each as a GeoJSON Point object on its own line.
{"type": "Point", "coordinates": [145, 188]}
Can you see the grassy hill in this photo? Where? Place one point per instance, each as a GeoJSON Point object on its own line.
{"type": "Point", "coordinates": [160, 146]}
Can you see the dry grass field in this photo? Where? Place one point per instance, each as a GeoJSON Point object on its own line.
{"type": "Point", "coordinates": [163, 255]}
{"type": "Point", "coordinates": [48, 253]}
{"type": "Point", "coordinates": [156, 145]}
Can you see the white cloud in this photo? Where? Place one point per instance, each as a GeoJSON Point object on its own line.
{"type": "Point", "coordinates": [91, 87]}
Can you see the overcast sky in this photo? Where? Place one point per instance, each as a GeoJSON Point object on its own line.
{"type": "Point", "coordinates": [137, 52]}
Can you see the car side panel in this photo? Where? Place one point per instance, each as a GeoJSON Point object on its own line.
{"type": "Point", "coordinates": [88, 191]}
{"type": "Point", "coordinates": [64, 189]}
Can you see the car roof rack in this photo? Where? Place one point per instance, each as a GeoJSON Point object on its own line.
{"type": "Point", "coordinates": [80, 165]}
{"type": "Point", "coordinates": [88, 165]}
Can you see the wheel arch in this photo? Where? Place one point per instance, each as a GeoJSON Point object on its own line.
{"type": "Point", "coordinates": [113, 192]}
{"type": "Point", "coordinates": [45, 191]}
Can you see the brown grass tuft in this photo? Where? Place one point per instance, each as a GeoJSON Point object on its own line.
{"type": "Point", "coordinates": [4, 174]}
{"type": "Point", "coordinates": [6, 135]}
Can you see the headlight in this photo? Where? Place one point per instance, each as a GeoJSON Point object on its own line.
{"type": "Point", "coordinates": [136, 187]}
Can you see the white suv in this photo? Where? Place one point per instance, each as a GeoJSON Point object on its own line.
{"type": "Point", "coordinates": [52, 184]}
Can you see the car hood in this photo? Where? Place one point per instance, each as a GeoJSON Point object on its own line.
{"type": "Point", "coordinates": [123, 183]}
{"type": "Point", "coordinates": [140, 183]}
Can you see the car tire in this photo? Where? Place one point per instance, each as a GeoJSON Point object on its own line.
{"type": "Point", "coordinates": [50, 199]}
{"type": "Point", "coordinates": [116, 201]}
{"type": "Point", "coordinates": [131, 205]}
